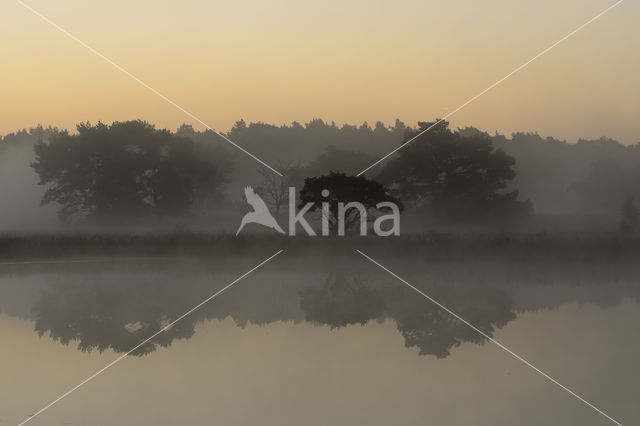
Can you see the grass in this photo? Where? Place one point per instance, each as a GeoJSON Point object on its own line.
{"type": "Point", "coordinates": [430, 246]}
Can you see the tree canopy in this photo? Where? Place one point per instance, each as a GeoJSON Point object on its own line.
{"type": "Point", "coordinates": [454, 176]}
{"type": "Point", "coordinates": [127, 171]}
{"type": "Point", "coordinates": [336, 188]}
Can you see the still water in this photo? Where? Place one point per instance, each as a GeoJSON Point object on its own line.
{"type": "Point", "coordinates": [326, 343]}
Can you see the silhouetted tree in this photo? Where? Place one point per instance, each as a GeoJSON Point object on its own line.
{"type": "Point", "coordinates": [26, 138]}
{"type": "Point", "coordinates": [210, 148]}
{"type": "Point", "coordinates": [302, 142]}
{"type": "Point", "coordinates": [338, 160]}
{"type": "Point", "coordinates": [274, 188]}
{"type": "Point", "coordinates": [336, 188]}
{"type": "Point", "coordinates": [454, 177]}
{"type": "Point", "coordinates": [629, 222]}
{"type": "Point", "coordinates": [127, 172]}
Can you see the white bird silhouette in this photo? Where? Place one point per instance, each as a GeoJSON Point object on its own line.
{"type": "Point", "coordinates": [260, 213]}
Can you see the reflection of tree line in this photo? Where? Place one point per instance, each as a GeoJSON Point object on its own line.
{"type": "Point", "coordinates": [345, 300]}
{"type": "Point", "coordinates": [105, 315]}
{"type": "Point", "coordinates": [112, 315]}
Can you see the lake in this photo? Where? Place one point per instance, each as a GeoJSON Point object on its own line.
{"type": "Point", "coordinates": [337, 342]}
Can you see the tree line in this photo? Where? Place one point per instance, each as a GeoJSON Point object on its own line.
{"type": "Point", "coordinates": [131, 171]}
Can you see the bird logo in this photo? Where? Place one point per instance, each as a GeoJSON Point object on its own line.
{"type": "Point", "coordinates": [260, 213]}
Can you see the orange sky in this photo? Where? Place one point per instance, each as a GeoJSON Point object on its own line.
{"type": "Point", "coordinates": [287, 60]}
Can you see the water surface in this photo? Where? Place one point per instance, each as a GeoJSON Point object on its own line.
{"type": "Point", "coordinates": [317, 344]}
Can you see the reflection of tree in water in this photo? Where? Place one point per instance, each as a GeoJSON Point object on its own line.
{"type": "Point", "coordinates": [119, 311]}
{"type": "Point", "coordinates": [344, 300]}
{"type": "Point", "coordinates": [112, 315]}
{"type": "Point", "coordinates": [435, 331]}
{"type": "Point", "coordinates": [117, 314]}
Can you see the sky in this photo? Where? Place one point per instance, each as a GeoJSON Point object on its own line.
{"type": "Point", "coordinates": [349, 62]}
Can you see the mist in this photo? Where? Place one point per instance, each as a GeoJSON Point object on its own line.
{"type": "Point", "coordinates": [572, 187]}
{"type": "Point", "coordinates": [21, 210]}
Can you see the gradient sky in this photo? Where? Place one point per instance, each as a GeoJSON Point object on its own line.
{"type": "Point", "coordinates": [355, 61]}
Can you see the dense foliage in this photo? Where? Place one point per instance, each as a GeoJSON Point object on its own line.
{"type": "Point", "coordinates": [126, 172]}
{"type": "Point", "coordinates": [336, 188]}
{"type": "Point", "coordinates": [454, 177]}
